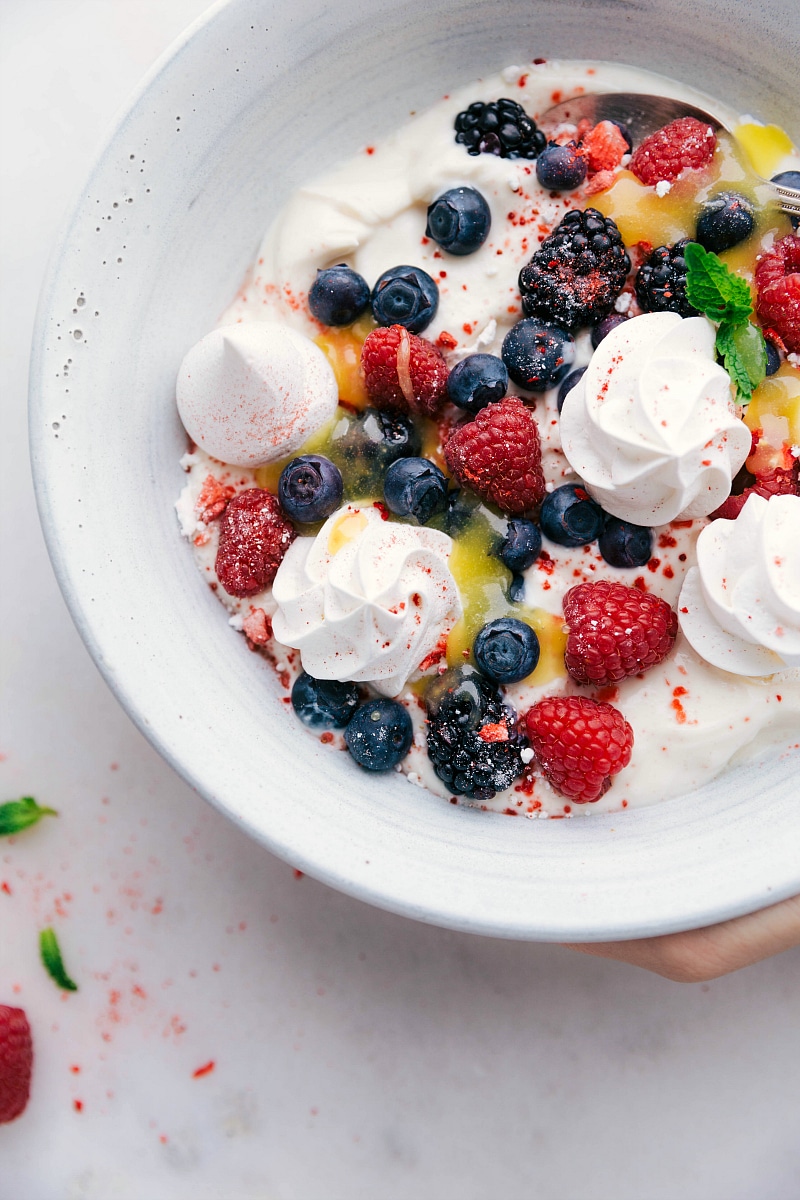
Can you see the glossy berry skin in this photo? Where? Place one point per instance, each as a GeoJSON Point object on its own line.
{"type": "Point", "coordinates": [310, 488]}
{"type": "Point", "coordinates": [415, 487]}
{"type": "Point", "coordinates": [379, 734]}
{"type": "Point", "coordinates": [568, 384]}
{"type": "Point", "coordinates": [506, 650]}
{"type": "Point", "coordinates": [16, 1062]}
{"type": "Point", "coordinates": [580, 744]}
{"type": "Point", "coordinates": [323, 703]}
{"type": "Point", "coordinates": [569, 516]}
{"type": "Point", "coordinates": [501, 127]}
{"type": "Point", "coordinates": [615, 631]}
{"type": "Point", "coordinates": [789, 179]}
{"type": "Point", "coordinates": [405, 296]}
{"type": "Point", "coordinates": [459, 220]}
{"type": "Point", "coordinates": [476, 381]}
{"type": "Point", "coordinates": [725, 220]}
{"type": "Point", "coordinates": [773, 358]}
{"type": "Point", "coordinates": [338, 296]}
{"type": "Point", "coordinates": [661, 281]}
{"type": "Point", "coordinates": [537, 354]}
{"type": "Point", "coordinates": [521, 546]}
{"type": "Point", "coordinates": [498, 456]}
{"type": "Point", "coordinates": [603, 328]}
{"type": "Point", "coordinates": [561, 168]}
{"type": "Point", "coordinates": [623, 544]}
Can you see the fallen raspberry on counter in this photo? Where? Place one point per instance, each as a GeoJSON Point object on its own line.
{"type": "Point", "coordinates": [681, 145]}
{"type": "Point", "coordinates": [778, 287]}
{"type": "Point", "coordinates": [615, 631]}
{"type": "Point", "coordinates": [253, 538]}
{"type": "Point", "coordinates": [403, 372]}
{"type": "Point", "coordinates": [579, 744]}
{"type": "Point", "coordinates": [16, 1062]}
{"type": "Point", "coordinates": [498, 456]}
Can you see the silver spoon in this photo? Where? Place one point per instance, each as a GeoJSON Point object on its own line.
{"type": "Point", "coordinates": [643, 115]}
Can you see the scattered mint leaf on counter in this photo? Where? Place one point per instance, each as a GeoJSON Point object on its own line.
{"type": "Point", "coordinates": [17, 815]}
{"type": "Point", "coordinates": [53, 962]}
{"type": "Point", "coordinates": [725, 298]}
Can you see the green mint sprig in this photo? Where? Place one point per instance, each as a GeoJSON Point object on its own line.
{"type": "Point", "coordinates": [713, 289]}
{"type": "Point", "coordinates": [53, 962]}
{"type": "Point", "coordinates": [17, 815]}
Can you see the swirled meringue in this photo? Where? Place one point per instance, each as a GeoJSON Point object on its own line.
{"type": "Point", "coordinates": [651, 428]}
{"type": "Point", "coordinates": [366, 599]}
{"type": "Point", "coordinates": [740, 606]}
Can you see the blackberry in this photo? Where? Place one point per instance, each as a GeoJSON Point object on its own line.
{"type": "Point", "coordinates": [460, 704]}
{"type": "Point", "coordinates": [501, 127]}
{"type": "Point", "coordinates": [578, 272]}
{"type": "Point", "coordinates": [661, 281]}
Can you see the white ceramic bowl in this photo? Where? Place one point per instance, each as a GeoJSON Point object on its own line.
{"type": "Point", "coordinates": [258, 97]}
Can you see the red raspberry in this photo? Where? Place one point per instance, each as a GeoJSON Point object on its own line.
{"type": "Point", "coordinates": [778, 287]}
{"type": "Point", "coordinates": [212, 498]}
{"type": "Point", "coordinates": [499, 457]}
{"type": "Point", "coordinates": [685, 143]}
{"type": "Point", "coordinates": [403, 371]}
{"type": "Point", "coordinates": [16, 1062]}
{"type": "Point", "coordinates": [604, 147]}
{"type": "Point", "coordinates": [615, 631]}
{"type": "Point", "coordinates": [780, 482]}
{"type": "Point", "coordinates": [579, 743]}
{"type": "Point", "coordinates": [254, 535]}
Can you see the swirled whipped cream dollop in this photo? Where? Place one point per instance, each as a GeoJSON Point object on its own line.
{"type": "Point", "coordinates": [251, 393]}
{"type": "Point", "coordinates": [740, 606]}
{"type": "Point", "coordinates": [366, 599]}
{"type": "Point", "coordinates": [651, 428]}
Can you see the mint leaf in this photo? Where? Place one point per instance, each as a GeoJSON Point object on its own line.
{"type": "Point", "coordinates": [713, 289]}
{"type": "Point", "coordinates": [53, 962]}
{"type": "Point", "coordinates": [17, 815]}
{"type": "Point", "coordinates": [752, 349]}
{"type": "Point", "coordinates": [734, 360]}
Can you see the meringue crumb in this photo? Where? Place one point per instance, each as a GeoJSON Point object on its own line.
{"type": "Point", "coordinates": [526, 755]}
{"type": "Point", "coordinates": [512, 74]}
{"type": "Point", "coordinates": [416, 779]}
{"type": "Point", "coordinates": [662, 187]}
{"type": "Point", "coordinates": [187, 461]}
{"type": "Point", "coordinates": [236, 621]}
{"type": "Point", "coordinates": [623, 302]}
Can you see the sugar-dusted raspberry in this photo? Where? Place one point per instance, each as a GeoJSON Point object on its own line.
{"type": "Point", "coordinates": [403, 372]}
{"type": "Point", "coordinates": [254, 535]}
{"type": "Point", "coordinates": [615, 631]}
{"type": "Point", "coordinates": [604, 146]}
{"type": "Point", "coordinates": [498, 456]}
{"type": "Point", "coordinates": [681, 145]}
{"type": "Point", "coordinates": [580, 744]}
{"type": "Point", "coordinates": [212, 498]}
{"type": "Point", "coordinates": [778, 287]}
{"type": "Point", "coordinates": [16, 1062]}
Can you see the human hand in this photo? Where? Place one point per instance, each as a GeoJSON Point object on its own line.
{"type": "Point", "coordinates": [702, 954]}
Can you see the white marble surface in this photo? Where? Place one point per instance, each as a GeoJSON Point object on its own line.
{"type": "Point", "coordinates": [356, 1054]}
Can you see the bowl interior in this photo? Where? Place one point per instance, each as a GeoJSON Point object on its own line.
{"type": "Point", "coordinates": [256, 99]}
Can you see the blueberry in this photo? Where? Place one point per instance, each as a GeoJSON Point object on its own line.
{"type": "Point", "coordinates": [568, 384]}
{"type": "Point", "coordinates": [560, 168]}
{"type": "Point", "coordinates": [725, 220]}
{"type": "Point", "coordinates": [537, 353]}
{"type": "Point", "coordinates": [569, 516]}
{"type": "Point", "coordinates": [379, 734]}
{"type": "Point", "coordinates": [324, 703]}
{"type": "Point", "coordinates": [789, 179]}
{"type": "Point", "coordinates": [415, 487]}
{"type": "Point", "coordinates": [338, 296]}
{"type": "Point", "coordinates": [623, 544]}
{"type": "Point", "coordinates": [773, 358]}
{"type": "Point", "coordinates": [459, 220]}
{"type": "Point", "coordinates": [521, 545]}
{"type": "Point", "coordinates": [310, 488]}
{"type": "Point", "coordinates": [603, 328]}
{"type": "Point", "coordinates": [516, 589]}
{"type": "Point", "coordinates": [405, 296]}
{"type": "Point", "coordinates": [506, 650]}
{"type": "Point", "coordinates": [476, 381]}
{"type": "Point", "coordinates": [373, 440]}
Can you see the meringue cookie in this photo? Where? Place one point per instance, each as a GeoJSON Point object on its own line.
{"type": "Point", "coordinates": [651, 427]}
{"type": "Point", "coordinates": [253, 393]}
{"type": "Point", "coordinates": [366, 599]}
{"type": "Point", "coordinates": [740, 606]}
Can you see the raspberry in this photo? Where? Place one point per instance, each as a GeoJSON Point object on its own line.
{"type": "Point", "coordinates": [16, 1062]}
{"type": "Point", "coordinates": [615, 631]}
{"type": "Point", "coordinates": [580, 744]}
{"type": "Point", "coordinates": [780, 482]}
{"type": "Point", "coordinates": [403, 371]}
{"type": "Point", "coordinates": [253, 538]}
{"type": "Point", "coordinates": [604, 146]}
{"type": "Point", "coordinates": [778, 287]}
{"type": "Point", "coordinates": [499, 457]}
{"type": "Point", "coordinates": [681, 145]}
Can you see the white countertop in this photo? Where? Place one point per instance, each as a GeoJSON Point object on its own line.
{"type": "Point", "coordinates": [355, 1054]}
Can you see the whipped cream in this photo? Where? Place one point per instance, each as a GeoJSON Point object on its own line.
{"type": "Point", "coordinates": [651, 427]}
{"type": "Point", "coordinates": [740, 606]}
{"type": "Point", "coordinates": [366, 599]}
{"type": "Point", "coordinates": [252, 393]}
